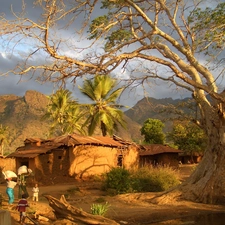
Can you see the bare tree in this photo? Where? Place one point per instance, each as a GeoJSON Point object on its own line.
{"type": "Point", "coordinates": [150, 40]}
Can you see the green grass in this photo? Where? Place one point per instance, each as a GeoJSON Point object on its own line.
{"type": "Point", "coordinates": [99, 209]}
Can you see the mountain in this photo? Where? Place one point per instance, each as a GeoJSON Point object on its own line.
{"type": "Point", "coordinates": [23, 117]}
{"type": "Point", "coordinates": [155, 108]}
{"type": "Point", "coordinates": [167, 110]}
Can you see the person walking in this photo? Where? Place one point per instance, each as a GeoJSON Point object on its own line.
{"type": "Point", "coordinates": [21, 207]}
{"type": "Point", "coordinates": [22, 186]}
{"type": "Point", "coordinates": [23, 173]}
{"type": "Point", "coordinates": [10, 189]}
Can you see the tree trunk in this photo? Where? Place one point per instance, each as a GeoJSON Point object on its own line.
{"type": "Point", "coordinates": [63, 210]}
{"type": "Point", "coordinates": [207, 183]}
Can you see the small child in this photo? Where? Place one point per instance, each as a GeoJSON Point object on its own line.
{"type": "Point", "coordinates": [22, 205]}
{"type": "Point", "coordinates": [35, 191]}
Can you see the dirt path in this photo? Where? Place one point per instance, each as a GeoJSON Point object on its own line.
{"type": "Point", "coordinates": [131, 209]}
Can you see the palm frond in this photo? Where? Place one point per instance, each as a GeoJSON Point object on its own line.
{"type": "Point", "coordinates": [104, 112]}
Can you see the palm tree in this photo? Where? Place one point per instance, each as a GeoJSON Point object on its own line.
{"type": "Point", "coordinates": [64, 112]}
{"type": "Point", "coordinates": [103, 112]}
{"type": "Point", "coordinates": [4, 137]}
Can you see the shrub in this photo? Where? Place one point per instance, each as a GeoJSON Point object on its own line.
{"type": "Point", "coordinates": [145, 179]}
{"type": "Point", "coordinates": [154, 179]}
{"type": "Point", "coordinates": [99, 209]}
{"type": "Point", "coordinates": [118, 179]}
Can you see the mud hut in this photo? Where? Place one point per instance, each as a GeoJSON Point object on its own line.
{"type": "Point", "coordinates": [73, 156]}
{"type": "Point", "coordinates": [157, 154]}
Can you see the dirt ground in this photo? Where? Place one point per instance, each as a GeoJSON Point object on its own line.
{"type": "Point", "coordinates": [131, 209]}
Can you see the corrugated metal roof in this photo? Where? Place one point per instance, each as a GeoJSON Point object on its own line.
{"type": "Point", "coordinates": [157, 149]}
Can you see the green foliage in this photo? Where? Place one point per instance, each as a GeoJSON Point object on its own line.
{"type": "Point", "coordinates": [188, 137]}
{"type": "Point", "coordinates": [103, 112]}
{"type": "Point", "coordinates": [145, 179]}
{"type": "Point", "coordinates": [154, 179]}
{"type": "Point", "coordinates": [100, 209]}
{"type": "Point", "coordinates": [117, 37]}
{"type": "Point", "coordinates": [209, 26]}
{"type": "Point", "coordinates": [97, 26]}
{"type": "Point", "coordinates": [152, 130]}
{"type": "Point", "coordinates": [105, 25]}
{"type": "Point", "coordinates": [106, 4]}
{"type": "Point", "coordinates": [64, 113]}
{"type": "Point", "coordinates": [118, 179]}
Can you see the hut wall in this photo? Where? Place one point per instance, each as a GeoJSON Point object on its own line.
{"type": "Point", "coordinates": [169, 159]}
{"type": "Point", "coordinates": [147, 160]}
{"type": "Point", "coordinates": [131, 157]}
{"type": "Point", "coordinates": [8, 164]}
{"type": "Point", "coordinates": [188, 159]}
{"type": "Point", "coordinates": [52, 168]}
{"type": "Point", "coordinates": [165, 159]}
{"type": "Point", "coordinates": [91, 160]}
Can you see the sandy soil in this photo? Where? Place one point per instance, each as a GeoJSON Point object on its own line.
{"type": "Point", "coordinates": [131, 209]}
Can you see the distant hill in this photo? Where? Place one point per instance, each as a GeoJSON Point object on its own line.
{"type": "Point", "coordinates": [167, 110]}
{"type": "Point", "coordinates": [154, 108]}
{"type": "Point", "coordinates": [23, 117]}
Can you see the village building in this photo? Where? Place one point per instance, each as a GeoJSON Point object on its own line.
{"type": "Point", "coordinates": [73, 156]}
{"type": "Point", "coordinates": [69, 157]}
{"type": "Point", "coordinates": [190, 157]}
{"type": "Point", "coordinates": [159, 155]}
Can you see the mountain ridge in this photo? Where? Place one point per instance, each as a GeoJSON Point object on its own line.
{"type": "Point", "coordinates": [22, 115]}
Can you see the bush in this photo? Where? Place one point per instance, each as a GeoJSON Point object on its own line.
{"type": "Point", "coordinates": [154, 179]}
{"type": "Point", "coordinates": [99, 209]}
{"type": "Point", "coordinates": [118, 179]}
{"type": "Point", "coordinates": [145, 179]}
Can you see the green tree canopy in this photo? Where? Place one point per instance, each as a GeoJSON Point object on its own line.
{"type": "Point", "coordinates": [152, 130]}
{"type": "Point", "coordinates": [103, 111]}
{"type": "Point", "coordinates": [188, 137]}
{"type": "Point", "coordinates": [209, 27]}
{"type": "Point", "coordinates": [64, 113]}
